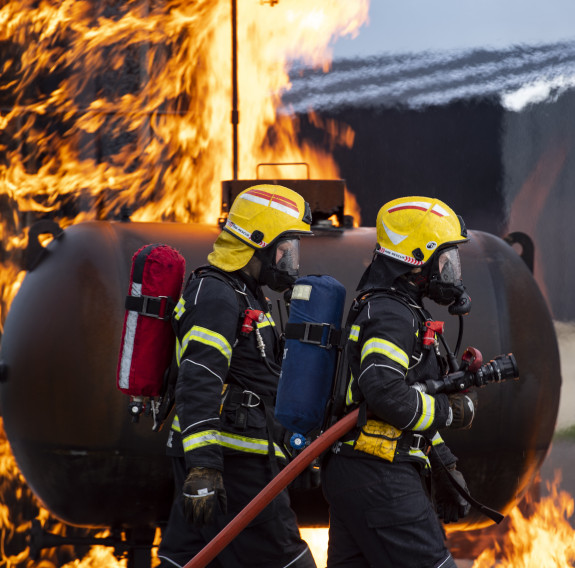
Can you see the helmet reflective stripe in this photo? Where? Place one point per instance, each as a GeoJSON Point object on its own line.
{"type": "Point", "coordinates": [383, 347]}
{"type": "Point", "coordinates": [427, 412]}
{"type": "Point", "coordinates": [278, 202]}
{"type": "Point", "coordinates": [207, 337]}
{"type": "Point", "coordinates": [228, 440]}
{"type": "Point", "coordinates": [398, 256]}
{"type": "Point", "coordinates": [422, 206]}
{"type": "Point", "coordinates": [394, 237]}
{"type": "Point", "coordinates": [235, 227]}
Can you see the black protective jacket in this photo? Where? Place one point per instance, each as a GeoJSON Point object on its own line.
{"type": "Point", "coordinates": [224, 390]}
{"type": "Point", "coordinates": [386, 357]}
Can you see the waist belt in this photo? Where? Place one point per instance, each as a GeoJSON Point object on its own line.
{"type": "Point", "coordinates": [245, 398]}
{"type": "Point", "coordinates": [408, 441]}
{"type": "Point", "coordinates": [242, 400]}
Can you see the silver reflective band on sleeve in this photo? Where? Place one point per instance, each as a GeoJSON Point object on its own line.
{"type": "Point", "coordinates": [427, 411]}
{"type": "Point", "coordinates": [201, 493]}
{"type": "Point", "coordinates": [437, 439]}
{"type": "Point", "coordinates": [419, 454]}
{"type": "Point", "coordinates": [354, 333]}
{"type": "Point", "coordinates": [384, 347]}
{"type": "Point", "coordinates": [207, 337]}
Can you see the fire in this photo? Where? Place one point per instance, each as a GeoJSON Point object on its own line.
{"type": "Point", "coordinates": [544, 538]}
{"type": "Point", "coordinates": [126, 105]}
{"type": "Point", "coordinates": [317, 540]}
{"type": "Point", "coordinates": [152, 81]}
{"type": "Point", "coordinates": [112, 105]}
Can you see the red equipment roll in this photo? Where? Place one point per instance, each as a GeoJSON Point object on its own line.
{"type": "Point", "coordinates": [147, 338]}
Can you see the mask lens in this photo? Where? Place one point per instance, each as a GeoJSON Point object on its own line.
{"type": "Point", "coordinates": [287, 256]}
{"type": "Point", "coordinates": [449, 266]}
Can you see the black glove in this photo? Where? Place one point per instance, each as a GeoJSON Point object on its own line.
{"type": "Point", "coordinates": [204, 496]}
{"type": "Point", "coordinates": [463, 407]}
{"type": "Point", "coordinates": [449, 504]}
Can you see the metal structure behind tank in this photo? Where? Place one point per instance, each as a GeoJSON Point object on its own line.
{"type": "Point", "coordinates": [69, 427]}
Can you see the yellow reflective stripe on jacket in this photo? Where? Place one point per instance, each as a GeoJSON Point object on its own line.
{"type": "Point", "coordinates": [419, 454]}
{"type": "Point", "coordinates": [180, 309]}
{"type": "Point", "coordinates": [437, 439]}
{"type": "Point", "coordinates": [349, 395]}
{"type": "Point", "coordinates": [354, 333]}
{"type": "Point", "coordinates": [267, 322]}
{"type": "Point", "coordinates": [229, 440]}
{"type": "Point", "coordinates": [207, 337]}
{"type": "Point", "coordinates": [377, 345]}
{"type": "Point", "coordinates": [427, 412]}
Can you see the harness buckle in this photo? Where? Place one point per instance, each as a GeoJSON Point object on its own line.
{"type": "Point", "coordinates": [248, 399]}
{"type": "Point", "coordinates": [312, 328]}
{"type": "Point", "coordinates": [154, 306]}
{"type": "Point", "coordinates": [418, 443]}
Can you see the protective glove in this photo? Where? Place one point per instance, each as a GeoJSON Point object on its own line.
{"type": "Point", "coordinates": [463, 407]}
{"type": "Point", "coordinates": [204, 496]}
{"type": "Point", "coordinates": [449, 504]}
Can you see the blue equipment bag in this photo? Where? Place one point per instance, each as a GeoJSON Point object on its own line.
{"type": "Point", "coordinates": [313, 335]}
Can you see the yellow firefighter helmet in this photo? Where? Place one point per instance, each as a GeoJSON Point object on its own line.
{"type": "Point", "coordinates": [257, 217]}
{"type": "Point", "coordinates": [411, 229]}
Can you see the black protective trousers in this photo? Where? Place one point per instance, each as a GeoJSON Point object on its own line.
{"type": "Point", "coordinates": [380, 516]}
{"type": "Point", "coordinates": [271, 540]}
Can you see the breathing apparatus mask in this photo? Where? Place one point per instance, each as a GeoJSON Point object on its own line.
{"type": "Point", "coordinates": [280, 263]}
{"type": "Point", "coordinates": [445, 285]}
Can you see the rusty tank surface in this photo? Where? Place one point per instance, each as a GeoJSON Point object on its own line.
{"type": "Point", "coordinates": [69, 426]}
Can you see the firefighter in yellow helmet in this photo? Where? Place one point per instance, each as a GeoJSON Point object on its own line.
{"type": "Point", "coordinates": [222, 437]}
{"type": "Point", "coordinates": [373, 480]}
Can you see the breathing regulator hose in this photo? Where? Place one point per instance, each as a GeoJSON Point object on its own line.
{"type": "Point", "coordinates": [272, 489]}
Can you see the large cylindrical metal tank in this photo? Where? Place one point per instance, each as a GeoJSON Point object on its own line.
{"type": "Point", "coordinates": [69, 427]}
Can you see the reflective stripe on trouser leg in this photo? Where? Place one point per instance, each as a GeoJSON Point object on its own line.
{"type": "Point", "coordinates": [271, 540]}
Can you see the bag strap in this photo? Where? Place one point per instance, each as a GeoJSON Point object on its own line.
{"type": "Point", "coordinates": [336, 405]}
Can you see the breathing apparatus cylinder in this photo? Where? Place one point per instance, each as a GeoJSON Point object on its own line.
{"type": "Point", "coordinates": [310, 354]}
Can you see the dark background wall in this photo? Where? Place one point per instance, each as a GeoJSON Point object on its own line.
{"type": "Point", "coordinates": [453, 152]}
{"type": "Point", "coordinates": [502, 170]}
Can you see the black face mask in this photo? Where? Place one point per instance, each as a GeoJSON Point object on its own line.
{"type": "Point", "coordinates": [280, 264]}
{"type": "Point", "coordinates": [445, 286]}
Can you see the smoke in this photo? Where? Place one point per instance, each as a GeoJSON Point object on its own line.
{"type": "Point", "coordinates": [519, 75]}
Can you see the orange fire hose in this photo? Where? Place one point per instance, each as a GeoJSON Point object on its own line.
{"type": "Point", "coordinates": [271, 490]}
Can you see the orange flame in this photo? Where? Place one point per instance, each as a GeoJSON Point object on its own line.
{"type": "Point", "coordinates": [544, 539]}
{"type": "Point", "coordinates": [108, 106]}
{"type": "Point", "coordinates": [111, 105]}
{"type": "Point", "coordinates": [168, 112]}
